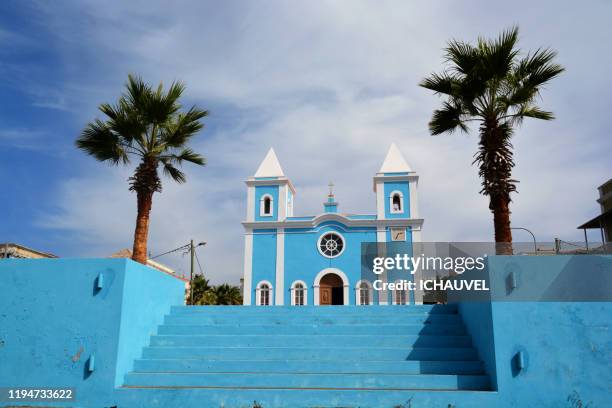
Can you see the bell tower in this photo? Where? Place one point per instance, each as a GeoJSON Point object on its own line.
{"type": "Point", "coordinates": [270, 193]}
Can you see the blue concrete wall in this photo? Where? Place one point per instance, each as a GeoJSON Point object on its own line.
{"type": "Point", "coordinates": [303, 261]}
{"type": "Point", "coordinates": [566, 345]}
{"type": "Point", "coordinates": [260, 191]}
{"type": "Point", "coordinates": [147, 296]}
{"type": "Point", "coordinates": [401, 186]}
{"type": "Point", "coordinates": [264, 260]}
{"type": "Point", "coordinates": [53, 319]}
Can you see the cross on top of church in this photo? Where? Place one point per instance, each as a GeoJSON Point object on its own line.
{"type": "Point", "coordinates": [331, 189]}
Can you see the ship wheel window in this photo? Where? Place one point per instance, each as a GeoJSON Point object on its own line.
{"type": "Point", "coordinates": [331, 244]}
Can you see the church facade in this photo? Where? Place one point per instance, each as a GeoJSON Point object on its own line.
{"type": "Point", "coordinates": [316, 259]}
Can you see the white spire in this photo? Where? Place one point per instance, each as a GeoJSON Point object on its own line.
{"type": "Point", "coordinates": [270, 167]}
{"type": "Point", "coordinates": [394, 162]}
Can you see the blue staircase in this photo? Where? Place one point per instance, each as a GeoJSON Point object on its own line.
{"type": "Point", "coordinates": [298, 352]}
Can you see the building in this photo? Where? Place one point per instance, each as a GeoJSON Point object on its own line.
{"type": "Point", "coordinates": [603, 221]}
{"type": "Point", "coordinates": [316, 259]}
{"type": "Point", "coordinates": [10, 250]}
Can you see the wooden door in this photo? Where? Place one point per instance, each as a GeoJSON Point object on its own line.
{"type": "Point", "coordinates": [325, 295]}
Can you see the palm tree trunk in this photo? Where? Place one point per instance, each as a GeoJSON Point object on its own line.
{"type": "Point", "coordinates": [141, 233]}
{"type": "Point", "coordinates": [501, 221]}
{"type": "Point", "coordinates": [495, 161]}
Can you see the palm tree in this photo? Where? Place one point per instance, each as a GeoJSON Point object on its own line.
{"type": "Point", "coordinates": [227, 295]}
{"type": "Point", "coordinates": [146, 124]}
{"type": "Point", "coordinates": [492, 84]}
{"type": "Point", "coordinates": [200, 288]}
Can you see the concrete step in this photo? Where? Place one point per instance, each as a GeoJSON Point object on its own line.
{"type": "Point", "coordinates": [162, 397]}
{"type": "Point", "coordinates": [382, 329]}
{"type": "Point", "coordinates": [304, 366]}
{"type": "Point", "coordinates": [312, 340]}
{"type": "Point", "coordinates": [311, 381]}
{"type": "Point", "coordinates": [312, 353]}
{"type": "Point", "coordinates": [318, 310]}
{"type": "Point", "coordinates": [299, 318]}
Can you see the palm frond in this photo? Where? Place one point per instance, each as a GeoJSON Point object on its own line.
{"type": "Point", "coordinates": [173, 172]}
{"type": "Point", "coordinates": [177, 133]}
{"type": "Point", "coordinates": [462, 56]}
{"type": "Point", "coordinates": [447, 119]}
{"type": "Point", "coordinates": [187, 154]}
{"type": "Point", "coordinates": [99, 141]}
{"type": "Point", "coordinates": [444, 83]}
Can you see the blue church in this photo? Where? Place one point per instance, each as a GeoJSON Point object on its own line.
{"type": "Point", "coordinates": [316, 260]}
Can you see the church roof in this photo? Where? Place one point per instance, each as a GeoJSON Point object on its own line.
{"type": "Point", "coordinates": [270, 167]}
{"type": "Point", "coordinates": [394, 162]}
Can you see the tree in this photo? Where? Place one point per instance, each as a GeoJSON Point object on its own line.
{"type": "Point", "coordinates": [491, 84]}
{"type": "Point", "coordinates": [227, 295]}
{"type": "Point", "coordinates": [200, 288]}
{"type": "Point", "coordinates": [146, 124]}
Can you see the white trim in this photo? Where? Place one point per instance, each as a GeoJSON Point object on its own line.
{"type": "Point", "coordinates": [380, 200]}
{"type": "Point", "coordinates": [292, 292]}
{"type": "Point", "coordinates": [411, 176]}
{"type": "Point", "coordinates": [251, 203]}
{"type": "Point", "coordinates": [317, 281]}
{"type": "Point", "coordinates": [413, 187]}
{"type": "Point", "coordinates": [273, 181]}
{"type": "Point", "coordinates": [418, 273]}
{"type": "Point", "coordinates": [328, 233]}
{"type": "Point", "coordinates": [394, 295]}
{"type": "Point", "coordinates": [258, 290]}
{"type": "Point", "coordinates": [248, 268]}
{"type": "Point", "coordinates": [282, 202]}
{"type": "Point", "coordinates": [381, 236]}
{"type": "Point", "coordinates": [262, 207]}
{"type": "Point", "coordinates": [324, 217]}
{"type": "Point", "coordinates": [401, 197]}
{"type": "Point", "coordinates": [280, 266]}
{"type": "Point", "coordinates": [290, 203]}
{"type": "Point", "coordinates": [370, 292]}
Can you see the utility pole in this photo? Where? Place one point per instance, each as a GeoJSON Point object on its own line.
{"type": "Point", "coordinates": [192, 249]}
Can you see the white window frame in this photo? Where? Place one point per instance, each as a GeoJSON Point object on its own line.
{"type": "Point", "coordinates": [258, 293]}
{"type": "Point", "coordinates": [327, 233]}
{"type": "Point", "coordinates": [262, 206]}
{"type": "Point", "coordinates": [401, 197]}
{"type": "Point", "coordinates": [358, 292]}
{"type": "Point", "coordinates": [293, 290]}
{"type": "Point", "coordinates": [394, 297]}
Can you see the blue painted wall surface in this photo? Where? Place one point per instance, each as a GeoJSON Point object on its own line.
{"type": "Point", "coordinates": [303, 261]}
{"type": "Point", "coordinates": [401, 186]}
{"type": "Point", "coordinates": [52, 319]}
{"type": "Point", "coordinates": [147, 296]}
{"type": "Point", "coordinates": [264, 259]}
{"type": "Point", "coordinates": [566, 344]}
{"type": "Point", "coordinates": [260, 191]}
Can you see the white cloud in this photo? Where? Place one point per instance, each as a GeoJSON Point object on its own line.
{"type": "Point", "coordinates": [330, 85]}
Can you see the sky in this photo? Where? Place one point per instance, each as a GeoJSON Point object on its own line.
{"type": "Point", "coordinates": [329, 84]}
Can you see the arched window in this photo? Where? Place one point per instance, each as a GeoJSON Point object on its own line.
{"type": "Point", "coordinates": [266, 206]}
{"type": "Point", "coordinates": [363, 293]}
{"type": "Point", "coordinates": [396, 202]}
{"type": "Point", "coordinates": [400, 297]}
{"type": "Point", "coordinates": [298, 295]}
{"type": "Point", "coordinates": [264, 293]}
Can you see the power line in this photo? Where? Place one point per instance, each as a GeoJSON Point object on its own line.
{"type": "Point", "coordinates": [198, 261]}
{"type": "Point", "coordinates": [171, 251]}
